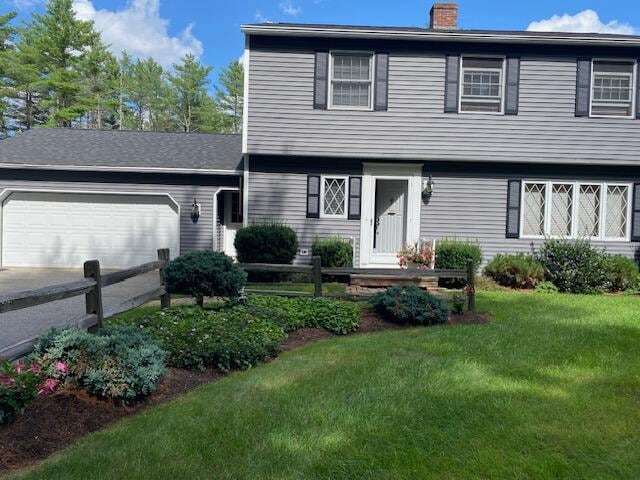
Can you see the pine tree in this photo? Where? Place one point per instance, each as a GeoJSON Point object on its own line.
{"type": "Point", "coordinates": [7, 49]}
{"type": "Point", "coordinates": [61, 44]}
{"type": "Point", "coordinates": [148, 96]}
{"type": "Point", "coordinates": [230, 96]}
{"type": "Point", "coordinates": [189, 94]}
{"type": "Point", "coordinates": [99, 80]}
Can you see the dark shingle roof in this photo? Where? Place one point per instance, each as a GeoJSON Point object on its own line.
{"type": "Point", "coordinates": [60, 147]}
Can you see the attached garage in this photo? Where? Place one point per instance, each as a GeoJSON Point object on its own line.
{"type": "Point", "coordinates": [62, 230]}
{"type": "Point", "coordinates": [72, 195]}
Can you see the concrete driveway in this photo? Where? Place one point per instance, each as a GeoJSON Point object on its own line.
{"type": "Point", "coordinates": [30, 322]}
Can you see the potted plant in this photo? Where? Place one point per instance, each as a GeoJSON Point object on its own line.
{"type": "Point", "coordinates": [416, 256]}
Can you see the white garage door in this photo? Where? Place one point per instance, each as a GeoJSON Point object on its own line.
{"type": "Point", "coordinates": [63, 230]}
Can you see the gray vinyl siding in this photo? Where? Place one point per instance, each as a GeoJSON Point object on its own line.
{"type": "Point", "coordinates": [282, 119]}
{"type": "Point", "coordinates": [193, 236]}
{"type": "Point", "coordinates": [473, 207]}
{"type": "Point", "coordinates": [279, 194]}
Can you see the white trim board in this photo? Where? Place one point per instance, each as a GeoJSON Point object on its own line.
{"type": "Point", "coordinates": [388, 171]}
{"type": "Point", "coordinates": [89, 168]}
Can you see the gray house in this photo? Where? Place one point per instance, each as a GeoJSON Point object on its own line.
{"type": "Point", "coordinates": [389, 136]}
{"type": "Point", "coordinates": [383, 136]}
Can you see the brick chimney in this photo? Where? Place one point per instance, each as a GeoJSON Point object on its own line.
{"type": "Point", "coordinates": [444, 16]}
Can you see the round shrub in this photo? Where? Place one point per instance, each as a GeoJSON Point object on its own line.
{"type": "Point", "coordinates": [574, 266]}
{"type": "Point", "coordinates": [622, 273]}
{"type": "Point", "coordinates": [205, 273]}
{"type": "Point", "coordinates": [546, 287]}
{"type": "Point", "coordinates": [333, 252]}
{"type": "Point", "coordinates": [455, 254]}
{"type": "Point", "coordinates": [266, 244]}
{"type": "Point", "coordinates": [515, 271]}
{"type": "Point", "coordinates": [116, 362]}
{"type": "Point", "coordinates": [226, 339]}
{"type": "Point", "coordinates": [410, 305]}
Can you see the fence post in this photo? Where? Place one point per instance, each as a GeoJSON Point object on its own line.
{"type": "Point", "coordinates": [93, 298]}
{"type": "Point", "coordinates": [471, 285]}
{"type": "Point", "coordinates": [164, 256]}
{"type": "Point", "coordinates": [317, 276]}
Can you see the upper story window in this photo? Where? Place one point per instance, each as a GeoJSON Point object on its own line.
{"type": "Point", "coordinates": [351, 85]}
{"type": "Point", "coordinates": [612, 89]}
{"type": "Point", "coordinates": [482, 84]}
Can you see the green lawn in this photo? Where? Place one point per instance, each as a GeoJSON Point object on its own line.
{"type": "Point", "coordinates": [549, 390]}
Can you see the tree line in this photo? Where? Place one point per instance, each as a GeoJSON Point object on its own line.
{"type": "Point", "coordinates": [55, 70]}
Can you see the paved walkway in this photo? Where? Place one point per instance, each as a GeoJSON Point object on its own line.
{"type": "Point", "coordinates": [30, 322]}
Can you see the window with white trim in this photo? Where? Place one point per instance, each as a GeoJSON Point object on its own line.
{"type": "Point", "coordinates": [612, 89]}
{"type": "Point", "coordinates": [333, 196]}
{"type": "Point", "coordinates": [351, 84]}
{"type": "Point", "coordinates": [482, 84]}
{"type": "Point", "coordinates": [575, 210]}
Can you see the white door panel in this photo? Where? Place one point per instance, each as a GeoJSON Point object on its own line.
{"type": "Point", "coordinates": [65, 229]}
{"type": "Point", "coordinates": [390, 216]}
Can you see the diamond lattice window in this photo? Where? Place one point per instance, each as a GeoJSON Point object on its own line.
{"type": "Point", "coordinates": [617, 203]}
{"type": "Point", "coordinates": [561, 208]}
{"type": "Point", "coordinates": [335, 194]}
{"type": "Point", "coordinates": [534, 206]}
{"type": "Point", "coordinates": [589, 211]}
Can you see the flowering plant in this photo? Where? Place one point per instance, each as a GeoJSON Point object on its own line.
{"type": "Point", "coordinates": [421, 255]}
{"type": "Point", "coordinates": [20, 384]}
{"type": "Point", "coordinates": [458, 301]}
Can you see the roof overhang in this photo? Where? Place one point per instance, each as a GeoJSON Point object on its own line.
{"type": "Point", "coordinates": [530, 38]}
{"type": "Point", "coordinates": [90, 168]}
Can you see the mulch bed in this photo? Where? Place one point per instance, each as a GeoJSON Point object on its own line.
{"type": "Point", "coordinates": [49, 424]}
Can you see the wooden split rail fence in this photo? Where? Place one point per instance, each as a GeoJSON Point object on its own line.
{"type": "Point", "coordinates": [91, 287]}
{"type": "Point", "coordinates": [316, 271]}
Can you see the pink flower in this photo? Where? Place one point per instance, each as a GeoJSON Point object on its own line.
{"type": "Point", "coordinates": [61, 367]}
{"type": "Point", "coordinates": [34, 368]}
{"type": "Point", "coordinates": [48, 386]}
{"type": "Point", "coordinates": [7, 380]}
{"type": "Point", "coordinates": [19, 367]}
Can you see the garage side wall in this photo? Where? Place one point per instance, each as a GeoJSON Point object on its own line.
{"type": "Point", "coordinates": [183, 188]}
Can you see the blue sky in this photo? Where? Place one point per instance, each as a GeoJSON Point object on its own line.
{"type": "Point", "coordinates": [166, 29]}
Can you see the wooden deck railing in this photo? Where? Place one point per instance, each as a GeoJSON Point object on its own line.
{"type": "Point", "coordinates": [91, 287]}
{"type": "Point", "coordinates": [317, 272]}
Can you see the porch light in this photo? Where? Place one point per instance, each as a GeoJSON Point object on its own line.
{"type": "Point", "coordinates": [427, 187]}
{"type": "Point", "coordinates": [195, 210]}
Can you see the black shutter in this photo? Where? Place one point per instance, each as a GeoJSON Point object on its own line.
{"type": "Point", "coordinates": [320, 80]}
{"type": "Point", "coordinates": [355, 194]}
{"type": "Point", "coordinates": [452, 84]}
{"type": "Point", "coordinates": [638, 90]}
{"type": "Point", "coordinates": [313, 196]}
{"type": "Point", "coordinates": [513, 209]}
{"type": "Point", "coordinates": [583, 87]}
{"type": "Point", "coordinates": [635, 214]}
{"type": "Point", "coordinates": [381, 88]}
{"type": "Point", "coordinates": [512, 92]}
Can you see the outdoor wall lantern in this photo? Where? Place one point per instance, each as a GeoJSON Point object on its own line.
{"type": "Point", "coordinates": [195, 210]}
{"type": "Point", "coordinates": [427, 188]}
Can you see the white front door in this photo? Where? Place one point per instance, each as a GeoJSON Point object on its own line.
{"type": "Point", "coordinates": [391, 204]}
{"type": "Point", "coordinates": [63, 230]}
{"type": "Point", "coordinates": [390, 217]}
{"type": "Point", "coordinates": [231, 204]}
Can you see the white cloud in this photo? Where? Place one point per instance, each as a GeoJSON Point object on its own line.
{"type": "Point", "coordinates": [261, 18]}
{"type": "Point", "coordinates": [586, 21]}
{"type": "Point", "coordinates": [25, 4]}
{"type": "Point", "coordinates": [140, 30]}
{"type": "Point", "coordinates": [288, 8]}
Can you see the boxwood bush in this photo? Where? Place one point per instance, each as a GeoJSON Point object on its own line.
{"type": "Point", "coordinates": [574, 266]}
{"type": "Point", "coordinates": [455, 254]}
{"type": "Point", "coordinates": [515, 271]}
{"type": "Point", "coordinates": [622, 273]}
{"type": "Point", "coordinates": [339, 317]}
{"type": "Point", "coordinates": [226, 339]}
{"type": "Point", "coordinates": [333, 252]}
{"type": "Point", "coordinates": [410, 305]}
{"type": "Point", "coordinates": [116, 362]}
{"type": "Point", "coordinates": [272, 243]}
{"type": "Point", "coordinates": [205, 273]}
